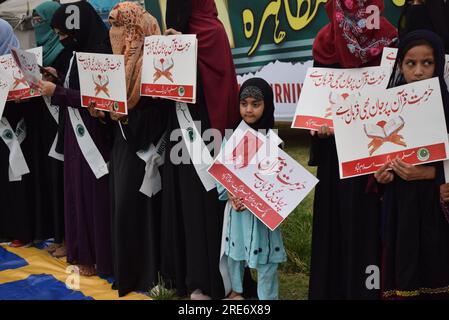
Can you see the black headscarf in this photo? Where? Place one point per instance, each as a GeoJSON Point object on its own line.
{"type": "Point", "coordinates": [413, 39]}
{"type": "Point", "coordinates": [258, 88]}
{"type": "Point", "coordinates": [433, 16]}
{"type": "Point", "coordinates": [91, 36]}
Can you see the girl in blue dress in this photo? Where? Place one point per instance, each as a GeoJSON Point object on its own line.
{"type": "Point", "coordinates": [247, 240]}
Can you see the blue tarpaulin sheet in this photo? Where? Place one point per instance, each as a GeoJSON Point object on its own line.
{"type": "Point", "coordinates": [39, 287]}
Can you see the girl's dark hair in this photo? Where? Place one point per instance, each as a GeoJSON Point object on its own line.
{"type": "Point", "coordinates": [396, 76]}
{"type": "Point", "coordinates": [411, 45]}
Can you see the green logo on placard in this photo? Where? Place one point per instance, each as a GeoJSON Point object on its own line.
{"type": "Point", "coordinates": [7, 134]}
{"type": "Point", "coordinates": [181, 91]}
{"type": "Point", "coordinates": [423, 154]}
{"type": "Point", "coordinates": [116, 107]}
{"type": "Point", "coordinates": [80, 131]}
{"type": "Point", "coordinates": [191, 134]}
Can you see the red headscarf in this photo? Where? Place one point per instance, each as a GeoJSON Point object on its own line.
{"type": "Point", "coordinates": [215, 64]}
{"type": "Point", "coordinates": [346, 40]}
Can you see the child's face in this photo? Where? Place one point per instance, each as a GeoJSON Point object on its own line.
{"type": "Point", "coordinates": [418, 64]}
{"type": "Point", "coordinates": [251, 110]}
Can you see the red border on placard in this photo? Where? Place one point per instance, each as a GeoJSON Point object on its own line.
{"type": "Point", "coordinates": [312, 123]}
{"type": "Point", "coordinates": [174, 90]}
{"type": "Point", "coordinates": [24, 93]}
{"type": "Point", "coordinates": [272, 219]}
{"type": "Point", "coordinates": [366, 165]}
{"type": "Point", "coordinates": [103, 104]}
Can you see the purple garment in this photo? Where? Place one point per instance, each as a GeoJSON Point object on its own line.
{"type": "Point", "coordinates": [87, 214]}
{"type": "Point", "coordinates": [66, 97]}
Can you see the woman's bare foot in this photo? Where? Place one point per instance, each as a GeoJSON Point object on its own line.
{"type": "Point", "coordinates": [60, 252]}
{"type": "Point", "coordinates": [87, 271]}
{"type": "Point", "coordinates": [199, 295]}
{"type": "Point", "coordinates": [52, 247]}
{"type": "Point", "coordinates": [234, 296]}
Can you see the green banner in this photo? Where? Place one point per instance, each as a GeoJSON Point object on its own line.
{"type": "Point", "coordinates": [267, 30]}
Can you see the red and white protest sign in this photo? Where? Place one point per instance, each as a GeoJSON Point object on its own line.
{"type": "Point", "coordinates": [27, 63]}
{"type": "Point", "coordinates": [102, 80]}
{"type": "Point", "coordinates": [389, 57]}
{"type": "Point", "coordinates": [271, 183]}
{"type": "Point", "coordinates": [405, 122]}
{"type": "Point", "coordinates": [323, 87]}
{"type": "Point", "coordinates": [170, 67]}
{"type": "Point", "coordinates": [20, 88]}
{"type": "Point", "coordinates": [4, 89]}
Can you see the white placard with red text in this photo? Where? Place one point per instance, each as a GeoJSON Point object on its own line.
{"type": "Point", "coordinates": [20, 89]}
{"type": "Point", "coordinates": [389, 58]}
{"type": "Point", "coordinates": [324, 86]}
{"type": "Point", "coordinates": [405, 122]}
{"type": "Point", "coordinates": [269, 181]}
{"type": "Point", "coordinates": [4, 89]}
{"type": "Point", "coordinates": [27, 63]}
{"type": "Point", "coordinates": [170, 67]}
{"type": "Point", "coordinates": [102, 80]}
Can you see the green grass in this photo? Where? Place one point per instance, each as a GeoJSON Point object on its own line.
{"type": "Point", "coordinates": [297, 228]}
{"type": "Point", "coordinates": [293, 286]}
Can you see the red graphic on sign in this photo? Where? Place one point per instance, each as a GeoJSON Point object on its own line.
{"type": "Point", "coordinates": [163, 67]}
{"type": "Point", "coordinates": [101, 84]}
{"type": "Point", "coordinates": [245, 151]}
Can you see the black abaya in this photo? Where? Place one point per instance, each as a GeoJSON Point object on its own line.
{"type": "Point", "coordinates": [135, 217]}
{"type": "Point", "coordinates": [191, 221]}
{"type": "Point", "coordinates": [346, 229]}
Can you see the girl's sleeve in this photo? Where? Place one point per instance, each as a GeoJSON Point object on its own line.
{"type": "Point", "coordinates": [222, 192]}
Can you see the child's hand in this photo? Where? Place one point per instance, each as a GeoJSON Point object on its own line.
{"type": "Point", "coordinates": [236, 203]}
{"type": "Point", "coordinates": [444, 192]}
{"type": "Point", "coordinates": [383, 176]}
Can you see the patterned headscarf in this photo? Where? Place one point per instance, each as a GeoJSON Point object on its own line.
{"type": "Point", "coordinates": [259, 89]}
{"type": "Point", "coordinates": [347, 40]}
{"type": "Point", "coordinates": [130, 25]}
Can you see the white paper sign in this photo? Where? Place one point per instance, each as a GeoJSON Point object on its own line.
{"type": "Point", "coordinates": [4, 89]}
{"type": "Point", "coordinates": [20, 89]}
{"type": "Point", "coordinates": [389, 57]}
{"type": "Point", "coordinates": [170, 67]}
{"type": "Point", "coordinates": [270, 182]}
{"type": "Point", "coordinates": [323, 87]}
{"type": "Point", "coordinates": [405, 122]}
{"type": "Point", "coordinates": [27, 63]}
{"type": "Point", "coordinates": [102, 80]}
